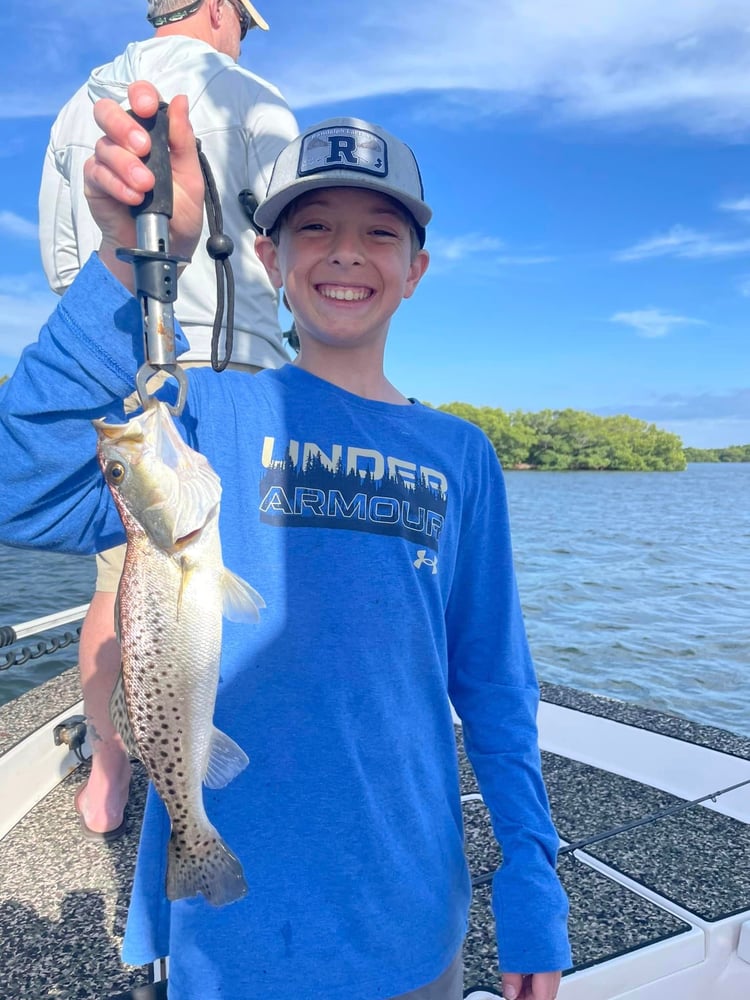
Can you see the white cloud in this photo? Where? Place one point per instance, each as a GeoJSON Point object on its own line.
{"type": "Point", "coordinates": [739, 205]}
{"type": "Point", "coordinates": [709, 433]}
{"type": "Point", "coordinates": [653, 322]}
{"type": "Point", "coordinates": [681, 61]}
{"type": "Point", "coordinates": [14, 225]}
{"type": "Point", "coordinates": [458, 248]}
{"type": "Point", "coordinates": [701, 419]}
{"type": "Point", "coordinates": [446, 251]}
{"type": "Point", "coordinates": [680, 241]}
{"type": "Point", "coordinates": [24, 306]}
{"type": "Point", "coordinates": [520, 260]}
{"type": "Point", "coordinates": [732, 405]}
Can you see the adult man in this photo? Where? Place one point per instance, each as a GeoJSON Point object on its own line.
{"type": "Point", "coordinates": [242, 123]}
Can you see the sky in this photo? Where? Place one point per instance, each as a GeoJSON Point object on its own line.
{"type": "Point", "coordinates": [587, 164]}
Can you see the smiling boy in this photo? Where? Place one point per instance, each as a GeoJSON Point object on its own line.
{"type": "Point", "coordinates": [345, 257]}
{"type": "Point", "coordinates": [376, 530]}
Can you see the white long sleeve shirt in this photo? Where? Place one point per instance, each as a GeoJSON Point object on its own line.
{"type": "Point", "coordinates": [242, 122]}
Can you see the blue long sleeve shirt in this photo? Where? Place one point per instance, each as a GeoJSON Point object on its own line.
{"type": "Point", "coordinates": [378, 536]}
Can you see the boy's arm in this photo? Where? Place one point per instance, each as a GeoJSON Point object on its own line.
{"type": "Point", "coordinates": [494, 690]}
{"type": "Point", "coordinates": [87, 354]}
{"type": "Point", "coordinates": [82, 365]}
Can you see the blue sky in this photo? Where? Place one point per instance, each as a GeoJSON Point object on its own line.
{"type": "Point", "coordinates": [587, 164]}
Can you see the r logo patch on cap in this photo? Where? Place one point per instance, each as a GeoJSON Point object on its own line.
{"type": "Point", "coordinates": [343, 147]}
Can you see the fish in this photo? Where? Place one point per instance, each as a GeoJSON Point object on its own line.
{"type": "Point", "coordinates": [173, 595]}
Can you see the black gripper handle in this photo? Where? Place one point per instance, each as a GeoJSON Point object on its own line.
{"type": "Point", "coordinates": [159, 199]}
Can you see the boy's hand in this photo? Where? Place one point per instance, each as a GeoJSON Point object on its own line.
{"type": "Point", "coordinates": [539, 986]}
{"type": "Point", "coordinates": [115, 178]}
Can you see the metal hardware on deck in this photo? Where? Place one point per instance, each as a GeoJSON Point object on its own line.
{"type": "Point", "coordinates": [40, 648]}
{"type": "Point", "coordinates": [71, 733]}
{"type": "Point", "coordinates": [7, 635]}
{"type": "Point", "coordinates": [10, 634]}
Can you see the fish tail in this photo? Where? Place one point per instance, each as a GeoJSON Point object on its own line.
{"type": "Point", "coordinates": [215, 873]}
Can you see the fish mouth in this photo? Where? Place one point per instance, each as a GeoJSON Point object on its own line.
{"type": "Point", "coordinates": [168, 489]}
{"type": "Point", "coordinates": [131, 431]}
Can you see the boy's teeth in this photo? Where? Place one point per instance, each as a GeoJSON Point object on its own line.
{"type": "Point", "coordinates": [344, 294]}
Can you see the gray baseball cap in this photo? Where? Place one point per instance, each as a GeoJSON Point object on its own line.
{"type": "Point", "coordinates": [345, 152]}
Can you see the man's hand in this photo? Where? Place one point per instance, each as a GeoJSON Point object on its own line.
{"type": "Point", "coordinates": [115, 178]}
{"type": "Point", "coordinates": [538, 986]}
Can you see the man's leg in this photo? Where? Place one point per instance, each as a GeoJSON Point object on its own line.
{"type": "Point", "coordinates": [448, 986]}
{"type": "Point", "coordinates": [101, 802]}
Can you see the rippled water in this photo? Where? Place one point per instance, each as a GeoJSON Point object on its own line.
{"type": "Point", "coordinates": [33, 584]}
{"type": "Point", "coordinates": [634, 585]}
{"type": "Point", "coordinates": [637, 585]}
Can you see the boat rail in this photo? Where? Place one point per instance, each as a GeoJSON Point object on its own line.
{"type": "Point", "coordinates": [12, 634]}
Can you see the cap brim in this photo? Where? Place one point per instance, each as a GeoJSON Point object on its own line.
{"type": "Point", "coordinates": [259, 20]}
{"type": "Point", "coordinates": [268, 211]}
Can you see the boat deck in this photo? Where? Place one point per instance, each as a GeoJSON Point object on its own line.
{"type": "Point", "coordinates": [63, 900]}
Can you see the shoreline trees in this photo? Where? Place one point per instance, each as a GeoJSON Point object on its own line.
{"type": "Point", "coordinates": [574, 440]}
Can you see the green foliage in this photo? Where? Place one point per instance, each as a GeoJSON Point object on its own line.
{"type": "Point", "coordinates": [573, 439]}
{"type": "Point", "coordinates": [3, 378]}
{"type": "Point", "coordinates": [734, 453]}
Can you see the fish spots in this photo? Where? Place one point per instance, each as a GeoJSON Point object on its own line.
{"type": "Point", "coordinates": [170, 631]}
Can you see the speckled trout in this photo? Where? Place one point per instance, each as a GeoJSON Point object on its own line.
{"type": "Point", "coordinates": [173, 594]}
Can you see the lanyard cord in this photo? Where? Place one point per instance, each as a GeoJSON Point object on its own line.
{"type": "Point", "coordinates": [219, 247]}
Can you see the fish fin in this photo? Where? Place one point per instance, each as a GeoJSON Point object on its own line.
{"type": "Point", "coordinates": [216, 874]}
{"type": "Point", "coordinates": [225, 760]}
{"type": "Point", "coordinates": [241, 602]}
{"type": "Point", "coordinates": [118, 710]}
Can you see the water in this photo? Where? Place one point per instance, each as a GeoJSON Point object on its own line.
{"type": "Point", "coordinates": [33, 584]}
{"type": "Point", "coordinates": [637, 585]}
{"type": "Point", "coordinates": [634, 585]}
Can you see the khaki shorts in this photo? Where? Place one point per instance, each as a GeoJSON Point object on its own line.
{"type": "Point", "coordinates": [110, 562]}
{"type": "Point", "coordinates": [448, 986]}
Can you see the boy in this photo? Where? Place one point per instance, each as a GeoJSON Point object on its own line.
{"type": "Point", "coordinates": [347, 820]}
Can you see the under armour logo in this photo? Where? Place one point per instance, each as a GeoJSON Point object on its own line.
{"type": "Point", "coordinates": [423, 560]}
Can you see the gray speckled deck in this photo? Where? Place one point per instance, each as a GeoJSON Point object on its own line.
{"type": "Point", "coordinates": [606, 919]}
{"type": "Point", "coordinates": [647, 718]}
{"type": "Point", "coordinates": [21, 717]}
{"type": "Point", "coordinates": [63, 900]}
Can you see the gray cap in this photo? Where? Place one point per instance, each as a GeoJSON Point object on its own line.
{"type": "Point", "coordinates": [345, 152]}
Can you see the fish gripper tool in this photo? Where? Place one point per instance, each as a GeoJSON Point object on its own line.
{"type": "Point", "coordinates": [155, 268]}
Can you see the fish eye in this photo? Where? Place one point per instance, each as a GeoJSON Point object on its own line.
{"type": "Point", "coordinates": [115, 473]}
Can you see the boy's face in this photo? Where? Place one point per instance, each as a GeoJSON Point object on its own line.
{"type": "Point", "coordinates": [345, 260]}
